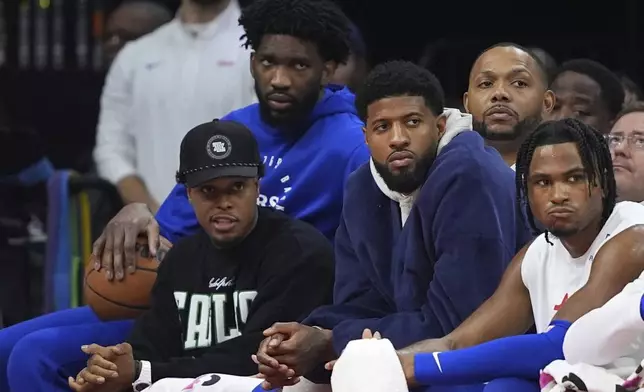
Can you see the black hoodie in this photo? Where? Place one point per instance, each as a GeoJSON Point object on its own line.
{"type": "Point", "coordinates": [210, 305]}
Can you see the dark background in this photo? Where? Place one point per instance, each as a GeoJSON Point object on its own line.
{"type": "Point", "coordinates": [62, 104]}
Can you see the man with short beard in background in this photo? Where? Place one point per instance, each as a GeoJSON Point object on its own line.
{"type": "Point", "coordinates": [507, 96]}
{"type": "Point", "coordinates": [587, 91]}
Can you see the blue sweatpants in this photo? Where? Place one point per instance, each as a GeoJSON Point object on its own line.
{"type": "Point", "coordinates": [39, 354]}
{"type": "Point", "coordinates": [498, 385]}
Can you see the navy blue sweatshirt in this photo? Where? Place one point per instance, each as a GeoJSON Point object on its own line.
{"type": "Point", "coordinates": [423, 280]}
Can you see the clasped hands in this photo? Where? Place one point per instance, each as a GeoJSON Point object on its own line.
{"type": "Point", "coordinates": [291, 350]}
{"type": "Point", "coordinates": [109, 369]}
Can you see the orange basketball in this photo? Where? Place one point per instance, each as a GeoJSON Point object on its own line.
{"type": "Point", "coordinates": [127, 298]}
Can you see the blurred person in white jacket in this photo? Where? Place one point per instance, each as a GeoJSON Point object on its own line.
{"type": "Point", "coordinates": [186, 72]}
{"type": "Point", "coordinates": [132, 19]}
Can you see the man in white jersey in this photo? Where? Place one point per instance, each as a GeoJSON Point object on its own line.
{"type": "Point", "coordinates": [591, 249]}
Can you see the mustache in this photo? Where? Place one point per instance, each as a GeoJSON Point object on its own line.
{"type": "Point", "coordinates": [501, 109]}
{"type": "Point", "coordinates": [522, 129]}
{"type": "Point", "coordinates": [404, 151]}
{"type": "Point", "coordinates": [280, 96]}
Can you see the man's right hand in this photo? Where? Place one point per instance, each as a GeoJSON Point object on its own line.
{"type": "Point", "coordinates": [274, 373]}
{"type": "Point", "coordinates": [114, 250]}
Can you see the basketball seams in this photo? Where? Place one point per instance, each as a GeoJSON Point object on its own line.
{"type": "Point", "coordinates": [133, 307]}
{"type": "Point", "coordinates": [146, 269]}
{"type": "Point", "coordinates": [127, 298]}
{"type": "Point", "coordinates": [118, 303]}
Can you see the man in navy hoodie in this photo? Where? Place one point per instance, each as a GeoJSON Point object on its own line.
{"type": "Point", "coordinates": [310, 140]}
{"type": "Point", "coordinates": [427, 229]}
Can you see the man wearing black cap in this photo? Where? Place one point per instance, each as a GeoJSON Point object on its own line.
{"type": "Point", "coordinates": [218, 289]}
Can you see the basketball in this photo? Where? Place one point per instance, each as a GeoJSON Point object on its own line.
{"type": "Point", "coordinates": [127, 298]}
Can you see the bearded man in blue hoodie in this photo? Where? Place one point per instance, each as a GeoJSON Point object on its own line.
{"type": "Point", "coordinates": [308, 132]}
{"type": "Point", "coordinates": [310, 140]}
{"type": "Point", "coordinates": [427, 229]}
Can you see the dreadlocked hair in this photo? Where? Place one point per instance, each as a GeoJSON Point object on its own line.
{"type": "Point", "coordinates": [318, 21]}
{"type": "Point", "coordinates": [594, 153]}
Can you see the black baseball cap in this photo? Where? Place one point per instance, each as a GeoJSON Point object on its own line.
{"type": "Point", "coordinates": [218, 149]}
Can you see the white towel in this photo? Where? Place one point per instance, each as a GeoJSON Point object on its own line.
{"type": "Point", "coordinates": [561, 376]}
{"type": "Point", "coordinates": [368, 365]}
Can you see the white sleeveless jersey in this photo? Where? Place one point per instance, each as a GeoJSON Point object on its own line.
{"type": "Point", "coordinates": [551, 275]}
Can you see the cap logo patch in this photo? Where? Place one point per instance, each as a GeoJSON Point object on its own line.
{"type": "Point", "coordinates": [219, 147]}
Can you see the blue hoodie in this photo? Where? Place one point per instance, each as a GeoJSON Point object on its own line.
{"type": "Point", "coordinates": [422, 280]}
{"type": "Point", "coordinates": [304, 176]}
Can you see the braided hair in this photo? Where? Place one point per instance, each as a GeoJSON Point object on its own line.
{"type": "Point", "coordinates": [594, 154]}
{"type": "Point", "coordinates": [321, 22]}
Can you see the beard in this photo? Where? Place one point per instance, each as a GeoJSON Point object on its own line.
{"type": "Point", "coordinates": [294, 116]}
{"type": "Point", "coordinates": [207, 2]}
{"type": "Point", "coordinates": [563, 233]}
{"type": "Point", "coordinates": [518, 132]}
{"type": "Point", "coordinates": [410, 178]}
